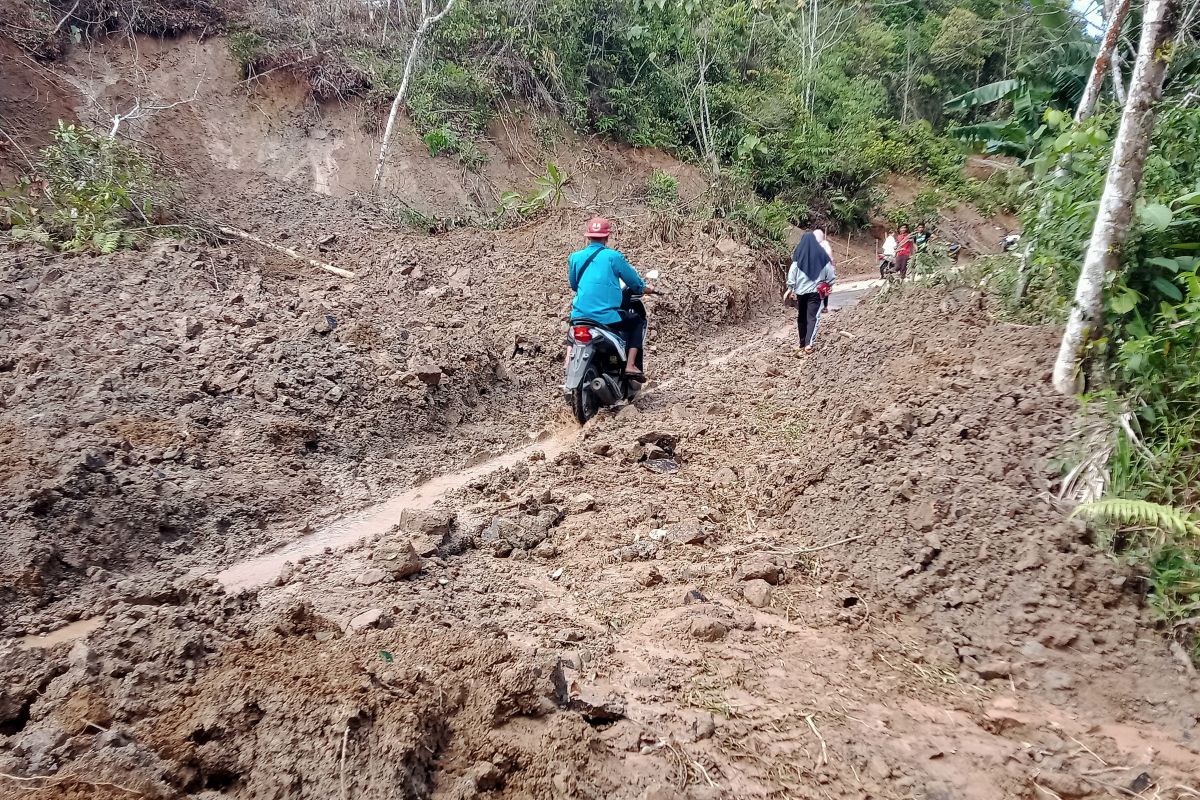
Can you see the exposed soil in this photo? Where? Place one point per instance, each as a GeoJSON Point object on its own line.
{"type": "Point", "coordinates": [851, 584]}
{"type": "Point", "coordinates": [271, 533]}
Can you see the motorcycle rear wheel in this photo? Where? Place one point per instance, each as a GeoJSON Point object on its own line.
{"type": "Point", "coordinates": [583, 399]}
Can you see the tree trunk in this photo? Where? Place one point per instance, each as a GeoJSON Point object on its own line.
{"type": "Point", "coordinates": [1091, 92]}
{"type": "Point", "coordinates": [427, 22]}
{"type": "Point", "coordinates": [1115, 215]}
{"type": "Point", "coordinates": [1087, 107]}
{"type": "Point", "coordinates": [1118, 79]}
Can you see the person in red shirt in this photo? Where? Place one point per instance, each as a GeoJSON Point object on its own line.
{"type": "Point", "coordinates": [905, 247]}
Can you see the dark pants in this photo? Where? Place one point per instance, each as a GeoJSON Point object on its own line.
{"type": "Point", "coordinates": [808, 306]}
{"type": "Point", "coordinates": [902, 265]}
{"type": "Point", "coordinates": [632, 329]}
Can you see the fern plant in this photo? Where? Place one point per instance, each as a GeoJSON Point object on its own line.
{"type": "Point", "coordinates": [1144, 514]}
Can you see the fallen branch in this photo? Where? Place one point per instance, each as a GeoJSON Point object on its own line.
{"type": "Point", "coordinates": [56, 780]}
{"type": "Point", "coordinates": [818, 548]}
{"type": "Point", "coordinates": [287, 251]}
{"type": "Point", "coordinates": [813, 727]}
{"type": "Point", "coordinates": [342, 778]}
{"type": "Point", "coordinates": [63, 21]}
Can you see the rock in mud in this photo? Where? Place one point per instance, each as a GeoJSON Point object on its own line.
{"type": "Point", "coordinates": [994, 670]}
{"type": "Point", "coordinates": [688, 532]}
{"type": "Point", "coordinates": [371, 577]}
{"type": "Point", "coordinates": [644, 550]}
{"type": "Point", "coordinates": [757, 593]}
{"type": "Point", "coordinates": [703, 727]}
{"type": "Point", "coordinates": [650, 577]}
{"type": "Point", "coordinates": [1063, 784]}
{"type": "Point", "coordinates": [764, 568]}
{"type": "Point", "coordinates": [1057, 680]}
{"type": "Point", "coordinates": [427, 529]}
{"type": "Point", "coordinates": [708, 629]}
{"type": "Point", "coordinates": [545, 550]}
{"type": "Point", "coordinates": [399, 561]}
{"type": "Point", "coordinates": [581, 503]}
{"type": "Point", "coordinates": [481, 778]}
{"type": "Point", "coordinates": [372, 618]}
{"type": "Point", "coordinates": [923, 516]}
{"type": "Point", "coordinates": [629, 412]}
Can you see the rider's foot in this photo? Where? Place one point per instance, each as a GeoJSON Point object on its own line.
{"type": "Point", "coordinates": [808, 349]}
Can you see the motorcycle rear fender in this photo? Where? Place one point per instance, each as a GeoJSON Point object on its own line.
{"type": "Point", "coordinates": [582, 355]}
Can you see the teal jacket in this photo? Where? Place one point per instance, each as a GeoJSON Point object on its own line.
{"type": "Point", "coordinates": [598, 294]}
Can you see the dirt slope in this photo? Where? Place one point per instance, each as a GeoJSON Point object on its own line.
{"type": "Point", "coordinates": [837, 576]}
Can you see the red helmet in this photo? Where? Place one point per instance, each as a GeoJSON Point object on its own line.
{"type": "Point", "coordinates": [598, 228]}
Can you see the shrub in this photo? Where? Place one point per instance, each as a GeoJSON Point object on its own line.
{"type": "Point", "coordinates": [247, 48]}
{"type": "Point", "coordinates": [89, 192]}
{"type": "Point", "coordinates": [663, 190]}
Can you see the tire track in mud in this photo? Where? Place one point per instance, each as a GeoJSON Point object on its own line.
{"type": "Point", "coordinates": [380, 518]}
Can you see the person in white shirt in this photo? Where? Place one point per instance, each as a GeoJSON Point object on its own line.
{"type": "Point", "coordinates": [888, 253]}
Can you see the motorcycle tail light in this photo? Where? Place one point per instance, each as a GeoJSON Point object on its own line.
{"type": "Point", "coordinates": [581, 334]}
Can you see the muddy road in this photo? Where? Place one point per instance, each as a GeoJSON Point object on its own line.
{"type": "Point", "coordinates": [835, 575]}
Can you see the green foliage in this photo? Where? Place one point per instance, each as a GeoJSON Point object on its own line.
{"type": "Point", "coordinates": [247, 48]}
{"type": "Point", "coordinates": [90, 193]}
{"type": "Point", "coordinates": [1051, 77]}
{"type": "Point", "coordinates": [662, 191]}
{"type": "Point", "coordinates": [548, 193]}
{"type": "Point", "coordinates": [1148, 358]}
{"type": "Point", "coordinates": [450, 106]}
{"type": "Point", "coordinates": [1143, 514]}
{"type": "Point", "coordinates": [963, 42]}
{"type": "Point", "coordinates": [440, 140]}
{"type": "Point", "coordinates": [815, 139]}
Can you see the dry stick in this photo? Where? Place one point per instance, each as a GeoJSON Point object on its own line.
{"type": "Point", "coordinates": [427, 22]}
{"type": "Point", "coordinates": [1089, 751]}
{"type": "Point", "coordinates": [345, 736]}
{"type": "Point", "coordinates": [20, 150]}
{"type": "Point", "coordinates": [807, 550]}
{"type": "Point", "coordinates": [55, 780]}
{"type": "Point", "coordinates": [813, 727]}
{"type": "Point", "coordinates": [287, 251]}
{"type": "Point", "coordinates": [62, 21]}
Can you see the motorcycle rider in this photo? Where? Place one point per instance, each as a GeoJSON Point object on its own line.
{"type": "Point", "coordinates": [595, 274]}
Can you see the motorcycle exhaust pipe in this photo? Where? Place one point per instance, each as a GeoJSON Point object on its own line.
{"type": "Point", "coordinates": [603, 391]}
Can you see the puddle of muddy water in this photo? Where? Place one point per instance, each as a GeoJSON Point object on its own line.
{"type": "Point", "coordinates": [67, 633]}
{"type": "Point", "coordinates": [379, 519]}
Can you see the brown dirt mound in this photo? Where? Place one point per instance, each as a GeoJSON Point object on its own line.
{"type": "Point", "coordinates": [198, 403]}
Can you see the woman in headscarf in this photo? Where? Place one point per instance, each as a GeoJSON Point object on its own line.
{"type": "Point", "coordinates": [811, 267]}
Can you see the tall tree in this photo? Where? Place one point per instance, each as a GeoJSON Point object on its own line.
{"type": "Point", "coordinates": [428, 20]}
{"type": "Point", "coordinates": [1087, 107]}
{"type": "Point", "coordinates": [1120, 190]}
{"type": "Point", "coordinates": [1091, 92]}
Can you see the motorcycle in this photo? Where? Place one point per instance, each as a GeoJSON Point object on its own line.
{"type": "Point", "coordinates": [596, 362]}
{"type": "Point", "coordinates": [1010, 242]}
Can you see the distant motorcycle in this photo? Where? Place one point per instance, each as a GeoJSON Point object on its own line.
{"type": "Point", "coordinates": [596, 365]}
{"type": "Point", "coordinates": [1009, 242]}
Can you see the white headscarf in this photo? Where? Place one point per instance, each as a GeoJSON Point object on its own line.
{"type": "Point", "coordinates": [819, 235]}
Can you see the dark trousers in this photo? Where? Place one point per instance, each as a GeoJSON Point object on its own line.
{"type": "Point", "coordinates": [631, 328]}
{"type": "Point", "coordinates": [808, 306]}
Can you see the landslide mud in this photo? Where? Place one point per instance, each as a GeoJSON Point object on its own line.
{"type": "Point", "coordinates": [851, 582]}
